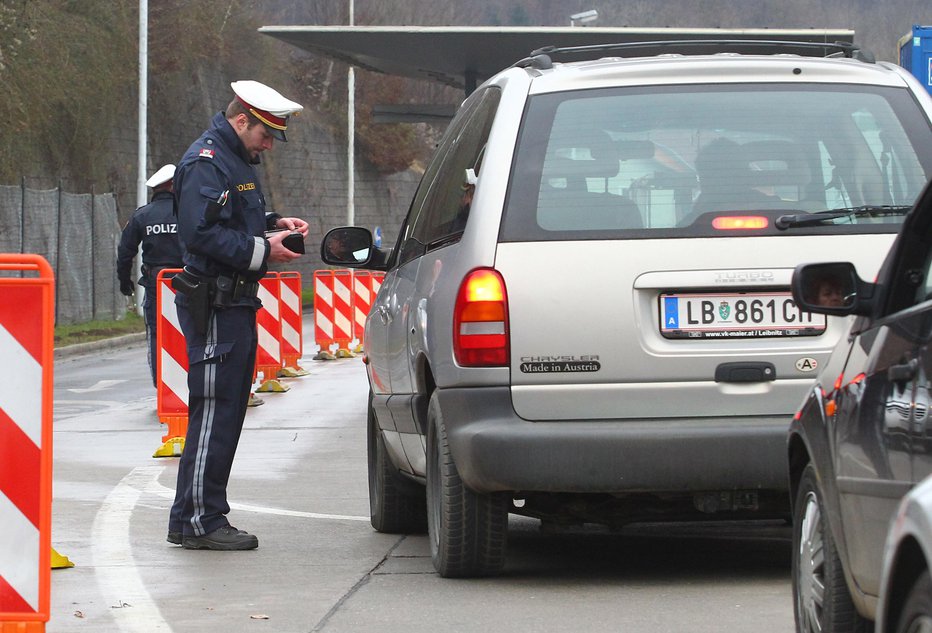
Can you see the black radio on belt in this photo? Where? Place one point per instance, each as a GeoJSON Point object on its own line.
{"type": "Point", "coordinates": [294, 241]}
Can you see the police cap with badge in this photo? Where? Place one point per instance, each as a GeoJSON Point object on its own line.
{"type": "Point", "coordinates": [267, 105]}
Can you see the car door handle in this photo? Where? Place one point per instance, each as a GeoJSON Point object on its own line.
{"type": "Point", "coordinates": [904, 372]}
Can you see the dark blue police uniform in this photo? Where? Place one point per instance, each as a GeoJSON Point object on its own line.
{"type": "Point", "coordinates": [156, 227]}
{"type": "Point", "coordinates": [222, 221]}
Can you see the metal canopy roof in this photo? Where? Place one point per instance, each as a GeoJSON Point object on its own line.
{"type": "Point", "coordinates": [462, 57]}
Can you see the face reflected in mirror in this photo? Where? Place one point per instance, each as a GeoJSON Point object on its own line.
{"type": "Point", "coordinates": [832, 286]}
{"type": "Point", "coordinates": [348, 245]}
{"type": "Point", "coordinates": [830, 294]}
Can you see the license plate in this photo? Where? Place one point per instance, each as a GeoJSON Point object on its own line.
{"type": "Point", "coordinates": [738, 315]}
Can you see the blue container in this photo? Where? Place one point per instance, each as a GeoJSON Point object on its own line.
{"type": "Point", "coordinates": [916, 54]}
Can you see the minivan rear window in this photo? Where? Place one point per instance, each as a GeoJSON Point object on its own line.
{"type": "Point", "coordinates": [677, 161]}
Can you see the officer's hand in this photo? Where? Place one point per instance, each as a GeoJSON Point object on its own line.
{"type": "Point", "coordinates": [278, 252]}
{"type": "Point", "coordinates": [293, 224]}
{"type": "Point", "coordinates": [127, 288]}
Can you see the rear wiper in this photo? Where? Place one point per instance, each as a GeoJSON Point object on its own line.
{"type": "Point", "coordinates": [868, 210]}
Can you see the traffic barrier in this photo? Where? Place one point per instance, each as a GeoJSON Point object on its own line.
{"type": "Point", "coordinates": [333, 312]}
{"type": "Point", "coordinates": [27, 321]}
{"type": "Point", "coordinates": [292, 325]}
{"type": "Point", "coordinates": [171, 369]}
{"type": "Point", "coordinates": [269, 332]}
{"type": "Point", "coordinates": [366, 284]}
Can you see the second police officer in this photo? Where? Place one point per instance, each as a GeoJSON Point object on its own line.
{"type": "Point", "coordinates": [222, 222]}
{"type": "Point", "coordinates": [154, 226]}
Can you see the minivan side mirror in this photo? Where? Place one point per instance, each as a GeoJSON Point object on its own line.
{"type": "Point", "coordinates": [831, 288]}
{"type": "Point", "coordinates": [350, 246]}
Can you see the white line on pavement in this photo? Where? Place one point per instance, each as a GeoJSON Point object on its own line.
{"type": "Point", "coordinates": [133, 609]}
{"type": "Point", "coordinates": [156, 488]}
{"type": "Point", "coordinates": [100, 385]}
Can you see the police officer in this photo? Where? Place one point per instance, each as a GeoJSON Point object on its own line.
{"type": "Point", "coordinates": [156, 227]}
{"type": "Point", "coordinates": [222, 222]}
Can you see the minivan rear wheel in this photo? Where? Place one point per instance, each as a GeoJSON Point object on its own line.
{"type": "Point", "coordinates": [396, 505]}
{"type": "Point", "coordinates": [822, 602]}
{"type": "Point", "coordinates": [467, 530]}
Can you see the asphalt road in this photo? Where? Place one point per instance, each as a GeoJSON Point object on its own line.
{"type": "Point", "coordinates": [299, 483]}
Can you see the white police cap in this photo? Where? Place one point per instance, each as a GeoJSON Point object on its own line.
{"type": "Point", "coordinates": [162, 176]}
{"type": "Point", "coordinates": [267, 105]}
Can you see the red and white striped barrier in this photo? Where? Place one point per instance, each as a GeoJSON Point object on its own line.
{"type": "Point", "coordinates": [269, 331]}
{"type": "Point", "coordinates": [172, 357]}
{"type": "Point", "coordinates": [171, 368]}
{"type": "Point", "coordinates": [26, 345]}
{"type": "Point", "coordinates": [366, 284]}
{"type": "Point", "coordinates": [333, 312]}
{"type": "Point", "coordinates": [291, 321]}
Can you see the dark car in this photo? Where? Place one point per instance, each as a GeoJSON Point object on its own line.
{"type": "Point", "coordinates": [863, 436]}
{"type": "Point", "coordinates": [906, 592]}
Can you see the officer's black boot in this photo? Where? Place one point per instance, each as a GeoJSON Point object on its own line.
{"type": "Point", "coordinates": [225, 538]}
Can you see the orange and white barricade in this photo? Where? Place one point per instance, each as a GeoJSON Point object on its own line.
{"type": "Point", "coordinates": [269, 331]}
{"type": "Point", "coordinates": [292, 324]}
{"type": "Point", "coordinates": [171, 368]}
{"type": "Point", "coordinates": [366, 284]}
{"type": "Point", "coordinates": [27, 320]}
{"type": "Point", "coordinates": [333, 312]}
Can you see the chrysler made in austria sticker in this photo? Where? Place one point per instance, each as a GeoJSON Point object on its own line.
{"type": "Point", "coordinates": [559, 364]}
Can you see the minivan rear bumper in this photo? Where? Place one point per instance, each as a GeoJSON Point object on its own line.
{"type": "Point", "coordinates": [495, 450]}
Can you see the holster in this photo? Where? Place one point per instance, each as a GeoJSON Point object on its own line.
{"type": "Point", "coordinates": [199, 293]}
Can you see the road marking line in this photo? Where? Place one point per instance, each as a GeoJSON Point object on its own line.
{"type": "Point", "coordinates": [156, 488]}
{"type": "Point", "coordinates": [100, 385]}
{"type": "Point", "coordinates": [133, 609]}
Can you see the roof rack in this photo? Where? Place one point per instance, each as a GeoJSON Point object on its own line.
{"type": "Point", "coordinates": [541, 57]}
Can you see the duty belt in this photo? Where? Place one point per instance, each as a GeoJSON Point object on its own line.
{"type": "Point", "coordinates": [244, 289]}
{"type": "Point", "coordinates": [226, 289]}
{"type": "Point", "coordinates": [231, 289]}
{"type": "Point", "coordinates": [152, 272]}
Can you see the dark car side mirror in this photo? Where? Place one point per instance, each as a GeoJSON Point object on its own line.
{"type": "Point", "coordinates": [350, 246]}
{"type": "Point", "coordinates": [831, 288]}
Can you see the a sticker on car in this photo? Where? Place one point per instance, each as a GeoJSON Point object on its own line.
{"type": "Point", "coordinates": [807, 364]}
{"type": "Point", "coordinates": [559, 364]}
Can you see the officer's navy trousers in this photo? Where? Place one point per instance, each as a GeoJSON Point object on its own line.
{"type": "Point", "coordinates": [220, 376]}
{"type": "Point", "coordinates": [151, 316]}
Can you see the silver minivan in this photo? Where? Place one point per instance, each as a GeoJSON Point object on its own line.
{"type": "Point", "coordinates": [587, 318]}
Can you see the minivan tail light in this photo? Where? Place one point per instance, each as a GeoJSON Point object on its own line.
{"type": "Point", "coordinates": [480, 320]}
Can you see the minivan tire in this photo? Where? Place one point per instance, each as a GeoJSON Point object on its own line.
{"type": "Point", "coordinates": [816, 561]}
{"type": "Point", "coordinates": [396, 505]}
{"type": "Point", "coordinates": [467, 530]}
{"type": "Point", "coordinates": [917, 610]}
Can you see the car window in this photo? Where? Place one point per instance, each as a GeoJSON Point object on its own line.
{"type": "Point", "coordinates": [407, 247]}
{"type": "Point", "coordinates": [658, 162]}
{"type": "Point", "coordinates": [921, 242]}
{"type": "Point", "coordinates": [447, 206]}
{"type": "Point", "coordinates": [425, 219]}
{"type": "Point", "coordinates": [906, 277]}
